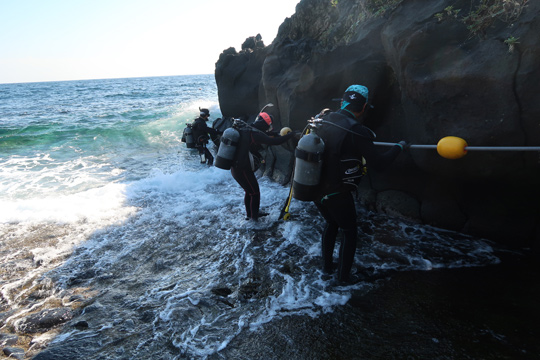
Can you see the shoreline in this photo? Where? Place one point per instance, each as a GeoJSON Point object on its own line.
{"type": "Point", "coordinates": [484, 312]}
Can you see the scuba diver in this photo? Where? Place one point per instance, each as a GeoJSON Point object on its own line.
{"type": "Point", "coordinates": [201, 134]}
{"type": "Point", "coordinates": [346, 143]}
{"type": "Point", "coordinates": [247, 160]}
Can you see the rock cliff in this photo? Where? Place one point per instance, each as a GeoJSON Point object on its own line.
{"type": "Point", "coordinates": [466, 68]}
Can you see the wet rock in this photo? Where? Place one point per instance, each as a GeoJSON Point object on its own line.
{"type": "Point", "coordinates": [8, 339]}
{"type": "Point", "coordinates": [146, 316]}
{"type": "Point", "coordinates": [95, 306]}
{"type": "Point", "coordinates": [249, 290]}
{"type": "Point", "coordinates": [40, 342]}
{"type": "Point", "coordinates": [222, 291]}
{"type": "Point", "coordinates": [81, 325]}
{"type": "Point", "coordinates": [288, 267]}
{"type": "Point", "coordinates": [70, 350]}
{"type": "Point", "coordinates": [14, 353]}
{"type": "Point", "coordinates": [398, 203]}
{"type": "Point", "coordinates": [279, 162]}
{"type": "Point", "coordinates": [82, 277]}
{"type": "Point", "coordinates": [5, 315]}
{"type": "Point", "coordinates": [43, 320]}
{"type": "Point", "coordinates": [76, 298]}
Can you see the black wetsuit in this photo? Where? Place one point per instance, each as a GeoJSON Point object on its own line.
{"type": "Point", "coordinates": [242, 171]}
{"type": "Point", "coordinates": [201, 134]}
{"type": "Point", "coordinates": [337, 203]}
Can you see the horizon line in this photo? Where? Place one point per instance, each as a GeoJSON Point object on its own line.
{"type": "Point", "coordinates": [97, 79]}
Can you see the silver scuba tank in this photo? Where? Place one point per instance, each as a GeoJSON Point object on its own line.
{"type": "Point", "coordinates": [308, 165]}
{"type": "Point", "coordinates": [190, 141]}
{"type": "Point", "coordinates": [227, 148]}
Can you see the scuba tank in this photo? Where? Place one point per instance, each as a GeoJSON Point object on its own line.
{"type": "Point", "coordinates": [227, 148]}
{"type": "Point", "coordinates": [188, 133]}
{"type": "Point", "coordinates": [308, 166]}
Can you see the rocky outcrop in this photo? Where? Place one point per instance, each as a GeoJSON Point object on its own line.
{"type": "Point", "coordinates": [240, 75]}
{"type": "Point", "coordinates": [434, 69]}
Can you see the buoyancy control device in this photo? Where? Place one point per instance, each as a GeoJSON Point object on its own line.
{"type": "Point", "coordinates": [308, 166]}
{"type": "Point", "coordinates": [187, 137]}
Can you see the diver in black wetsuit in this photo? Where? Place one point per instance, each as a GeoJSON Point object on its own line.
{"type": "Point", "coordinates": [202, 133]}
{"type": "Point", "coordinates": [342, 170]}
{"type": "Point", "coordinates": [246, 161]}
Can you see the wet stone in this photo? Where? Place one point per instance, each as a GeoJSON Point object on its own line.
{"type": "Point", "coordinates": [222, 291]}
{"type": "Point", "coordinates": [81, 325]}
{"type": "Point", "coordinates": [14, 353]}
{"type": "Point", "coordinates": [93, 307]}
{"type": "Point", "coordinates": [76, 298]}
{"type": "Point", "coordinates": [71, 349]}
{"type": "Point", "coordinates": [288, 267]}
{"type": "Point", "coordinates": [4, 316]}
{"type": "Point", "coordinates": [8, 339]}
{"type": "Point", "coordinates": [44, 320]}
{"type": "Point", "coordinates": [82, 276]}
{"type": "Point", "coordinates": [147, 316]}
{"type": "Point", "coordinates": [248, 290]}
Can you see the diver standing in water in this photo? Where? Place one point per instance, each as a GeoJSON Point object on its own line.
{"type": "Point", "coordinates": [246, 161]}
{"type": "Point", "coordinates": [201, 134]}
{"type": "Point", "coordinates": [346, 142]}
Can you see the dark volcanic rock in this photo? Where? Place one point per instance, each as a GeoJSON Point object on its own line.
{"type": "Point", "coordinates": [239, 75]}
{"type": "Point", "coordinates": [44, 320]}
{"type": "Point", "coordinates": [429, 76]}
{"type": "Point", "coordinates": [14, 353]}
{"type": "Point", "coordinates": [8, 339]}
{"type": "Point", "coordinates": [70, 349]}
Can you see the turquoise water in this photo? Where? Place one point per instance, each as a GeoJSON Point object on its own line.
{"type": "Point", "coordinates": [66, 137]}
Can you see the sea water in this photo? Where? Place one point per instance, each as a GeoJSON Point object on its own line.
{"type": "Point", "coordinates": [101, 202]}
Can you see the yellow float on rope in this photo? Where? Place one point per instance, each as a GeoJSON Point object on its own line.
{"type": "Point", "coordinates": [452, 147]}
{"type": "Point", "coordinates": [285, 131]}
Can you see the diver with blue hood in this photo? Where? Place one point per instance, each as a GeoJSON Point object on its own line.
{"type": "Point", "coordinates": [348, 150]}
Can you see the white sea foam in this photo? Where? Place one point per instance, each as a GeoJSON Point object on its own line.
{"type": "Point", "coordinates": [100, 206]}
{"type": "Point", "coordinates": [193, 218]}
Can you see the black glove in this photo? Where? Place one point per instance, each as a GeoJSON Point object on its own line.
{"type": "Point", "coordinates": [404, 145]}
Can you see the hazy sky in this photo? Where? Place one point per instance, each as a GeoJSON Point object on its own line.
{"type": "Point", "coordinates": [46, 40]}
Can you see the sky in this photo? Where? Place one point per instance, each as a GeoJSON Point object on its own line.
{"type": "Point", "coordinates": [54, 40]}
